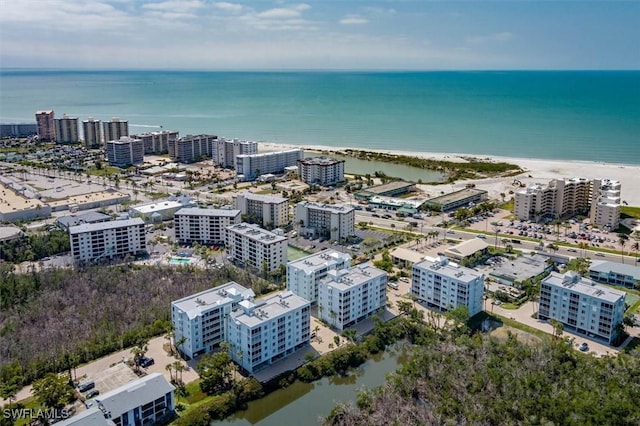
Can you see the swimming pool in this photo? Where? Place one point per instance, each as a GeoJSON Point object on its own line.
{"type": "Point", "coordinates": [179, 260]}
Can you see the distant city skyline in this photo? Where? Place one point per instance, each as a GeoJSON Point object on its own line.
{"type": "Point", "coordinates": [282, 35]}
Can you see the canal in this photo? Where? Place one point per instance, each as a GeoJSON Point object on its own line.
{"type": "Point", "coordinates": [307, 403]}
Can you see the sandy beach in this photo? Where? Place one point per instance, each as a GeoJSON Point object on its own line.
{"type": "Point", "coordinates": [535, 170]}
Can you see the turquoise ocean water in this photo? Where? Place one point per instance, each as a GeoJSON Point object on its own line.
{"type": "Point", "coordinates": [592, 116]}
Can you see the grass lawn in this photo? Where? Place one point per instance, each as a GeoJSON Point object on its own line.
{"type": "Point", "coordinates": [193, 394]}
{"type": "Point", "coordinates": [29, 403]}
{"type": "Point", "coordinates": [628, 211]}
{"type": "Point", "coordinates": [519, 326]}
{"type": "Point", "coordinates": [104, 171]}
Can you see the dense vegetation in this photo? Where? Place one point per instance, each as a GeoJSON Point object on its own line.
{"type": "Point", "coordinates": [55, 317]}
{"type": "Point", "coordinates": [472, 168]}
{"type": "Point", "coordinates": [478, 380]}
{"type": "Point", "coordinates": [34, 246]}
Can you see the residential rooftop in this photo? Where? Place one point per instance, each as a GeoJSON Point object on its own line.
{"type": "Point", "coordinates": [443, 266]}
{"type": "Point", "coordinates": [255, 313]}
{"type": "Point", "coordinates": [606, 266]}
{"type": "Point", "coordinates": [467, 248]}
{"type": "Point", "coordinates": [316, 261]}
{"type": "Point", "coordinates": [334, 208]}
{"type": "Point", "coordinates": [269, 154]}
{"type": "Point", "coordinates": [584, 286]}
{"type": "Point", "coordinates": [195, 211]}
{"type": "Point", "coordinates": [79, 219]}
{"type": "Point", "coordinates": [320, 161]}
{"type": "Point", "coordinates": [521, 268]}
{"type": "Point", "coordinates": [346, 278]}
{"type": "Point", "coordinates": [195, 304]}
{"type": "Point", "coordinates": [263, 198]}
{"type": "Point", "coordinates": [254, 232]}
{"type": "Point", "coordinates": [103, 226]}
{"type": "Point", "coordinates": [154, 207]}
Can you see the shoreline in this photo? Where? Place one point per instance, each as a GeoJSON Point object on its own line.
{"type": "Point", "coordinates": [534, 170]}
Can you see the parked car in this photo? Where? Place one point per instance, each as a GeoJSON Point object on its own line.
{"type": "Point", "coordinates": [584, 347]}
{"type": "Point", "coordinates": [83, 387]}
{"type": "Point", "coordinates": [92, 394]}
{"type": "Point", "coordinates": [145, 361]}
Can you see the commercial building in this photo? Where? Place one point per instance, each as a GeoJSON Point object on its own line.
{"type": "Point", "coordinates": [14, 206]}
{"type": "Point", "coordinates": [190, 149]}
{"type": "Point", "coordinates": [251, 166]}
{"type": "Point", "coordinates": [269, 211]}
{"type": "Point", "coordinates": [157, 142]}
{"type": "Point", "coordinates": [66, 130]}
{"type": "Point", "coordinates": [254, 247]}
{"type": "Point", "coordinates": [390, 189]}
{"type": "Point", "coordinates": [614, 273]}
{"type": "Point", "coordinates": [46, 126]}
{"type": "Point", "coordinates": [304, 274]}
{"type": "Point", "coordinates": [321, 170]}
{"type": "Point", "coordinates": [92, 133]}
{"type": "Point", "coordinates": [200, 320]}
{"type": "Point", "coordinates": [347, 296]}
{"type": "Point", "coordinates": [147, 400]}
{"type": "Point", "coordinates": [115, 129]}
{"type": "Point", "coordinates": [93, 200]}
{"type": "Point", "coordinates": [402, 205]}
{"type": "Point", "coordinates": [96, 241]}
{"type": "Point", "coordinates": [581, 305]}
{"type": "Point", "coordinates": [18, 130]}
{"type": "Point", "coordinates": [463, 198]}
{"type": "Point", "coordinates": [405, 258]}
{"type": "Point", "coordinates": [605, 204]}
{"type": "Point", "coordinates": [445, 285]}
{"type": "Point", "coordinates": [161, 210]}
{"type": "Point", "coordinates": [467, 249]}
{"type": "Point", "coordinates": [224, 151]}
{"type": "Point", "coordinates": [204, 226]}
{"type": "Point", "coordinates": [267, 330]}
{"type": "Point", "coordinates": [325, 220]}
{"type": "Point", "coordinates": [515, 271]}
{"type": "Point", "coordinates": [125, 152]}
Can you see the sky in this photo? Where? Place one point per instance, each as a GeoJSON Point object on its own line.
{"type": "Point", "coordinates": [320, 34]}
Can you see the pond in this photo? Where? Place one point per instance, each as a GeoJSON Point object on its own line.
{"type": "Point", "coordinates": [362, 167]}
{"type": "Point", "coordinates": [307, 403]}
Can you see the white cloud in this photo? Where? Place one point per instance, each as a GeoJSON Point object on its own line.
{"type": "Point", "coordinates": [228, 7]}
{"type": "Point", "coordinates": [175, 6]}
{"type": "Point", "coordinates": [353, 20]}
{"type": "Point", "coordinates": [497, 37]}
{"type": "Point", "coordinates": [279, 12]}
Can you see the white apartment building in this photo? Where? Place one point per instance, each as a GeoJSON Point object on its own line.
{"type": "Point", "coordinates": [251, 166]}
{"type": "Point", "coordinates": [224, 151]}
{"type": "Point", "coordinates": [157, 142]}
{"type": "Point", "coordinates": [347, 296]}
{"type": "Point", "coordinates": [115, 129]}
{"type": "Point", "coordinates": [605, 204]}
{"type": "Point", "coordinates": [581, 305]}
{"type": "Point", "coordinates": [66, 129]}
{"type": "Point", "coordinates": [125, 152]}
{"type": "Point", "coordinates": [304, 274]}
{"type": "Point", "coordinates": [270, 211]}
{"type": "Point", "coordinates": [321, 170]}
{"type": "Point", "coordinates": [267, 330]}
{"type": "Point", "coordinates": [598, 198]}
{"type": "Point", "coordinates": [91, 133]}
{"type": "Point", "coordinates": [252, 246]}
{"type": "Point", "coordinates": [191, 148]}
{"type": "Point", "coordinates": [95, 241]}
{"type": "Point", "coordinates": [204, 226]}
{"type": "Point", "coordinates": [445, 285]}
{"type": "Point", "coordinates": [145, 401]}
{"type": "Point", "coordinates": [325, 220]}
{"type": "Point", "coordinates": [200, 320]}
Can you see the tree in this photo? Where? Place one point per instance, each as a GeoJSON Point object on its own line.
{"type": "Point", "coordinates": [622, 240]}
{"type": "Point", "coordinates": [336, 340]}
{"type": "Point", "coordinates": [350, 334]}
{"type": "Point", "coordinates": [53, 391]}
{"type": "Point", "coordinates": [138, 352]}
{"type": "Point", "coordinates": [558, 327]}
{"type": "Point", "coordinates": [215, 372]}
{"type": "Point", "coordinates": [635, 247]}
{"type": "Point", "coordinates": [169, 368]}
{"type": "Point", "coordinates": [178, 367]}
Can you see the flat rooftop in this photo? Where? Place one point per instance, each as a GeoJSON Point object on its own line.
{"type": "Point", "coordinates": [407, 255]}
{"type": "Point", "coordinates": [457, 195]}
{"type": "Point", "coordinates": [158, 206]}
{"type": "Point", "coordinates": [315, 261]}
{"type": "Point", "coordinates": [195, 211]}
{"type": "Point", "coordinates": [394, 201]}
{"type": "Point", "coordinates": [255, 313]}
{"type": "Point", "coordinates": [89, 198]}
{"type": "Point", "coordinates": [326, 207]}
{"type": "Point", "coordinates": [584, 286]}
{"type": "Point", "coordinates": [345, 279]}
{"type": "Point", "coordinates": [270, 154]}
{"type": "Point", "coordinates": [195, 304]}
{"type": "Point", "coordinates": [254, 232]}
{"type": "Point", "coordinates": [263, 198]}
{"type": "Point", "coordinates": [443, 266]}
{"type": "Point", "coordinates": [10, 201]}
{"type": "Point", "coordinates": [103, 226]}
{"type": "Point", "coordinates": [607, 267]}
{"type": "Point", "coordinates": [391, 186]}
{"type": "Point", "coordinates": [521, 268]}
{"type": "Point", "coordinates": [320, 161]}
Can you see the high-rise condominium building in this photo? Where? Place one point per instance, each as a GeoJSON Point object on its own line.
{"type": "Point", "coordinates": [190, 149]}
{"type": "Point", "coordinates": [445, 285]}
{"type": "Point", "coordinates": [583, 306]}
{"type": "Point", "coordinates": [92, 134]}
{"type": "Point", "coordinates": [267, 330]}
{"type": "Point", "coordinates": [156, 143]}
{"type": "Point", "coordinates": [204, 226]}
{"type": "Point", "coordinates": [304, 274]}
{"type": "Point", "coordinates": [200, 321]}
{"type": "Point", "coordinates": [18, 130]}
{"type": "Point", "coordinates": [115, 129]}
{"type": "Point", "coordinates": [605, 204]}
{"type": "Point", "coordinates": [321, 170]}
{"type": "Point", "coordinates": [95, 241]}
{"type": "Point", "coordinates": [125, 152]}
{"type": "Point", "coordinates": [347, 296]}
{"type": "Point", "coordinates": [46, 125]}
{"type": "Point", "coordinates": [250, 167]}
{"type": "Point", "coordinates": [66, 129]}
{"type": "Point", "coordinates": [255, 247]}
{"type": "Point", "coordinates": [224, 151]}
{"type": "Point", "coordinates": [269, 211]}
{"type": "Point", "coordinates": [325, 220]}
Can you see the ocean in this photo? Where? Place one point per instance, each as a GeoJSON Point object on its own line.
{"type": "Point", "coordinates": [566, 115]}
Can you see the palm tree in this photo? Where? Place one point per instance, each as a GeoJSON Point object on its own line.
{"type": "Point", "coordinates": [179, 368]}
{"type": "Point", "coordinates": [635, 247]}
{"type": "Point", "coordinates": [169, 368]}
{"type": "Point", "coordinates": [622, 240]}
